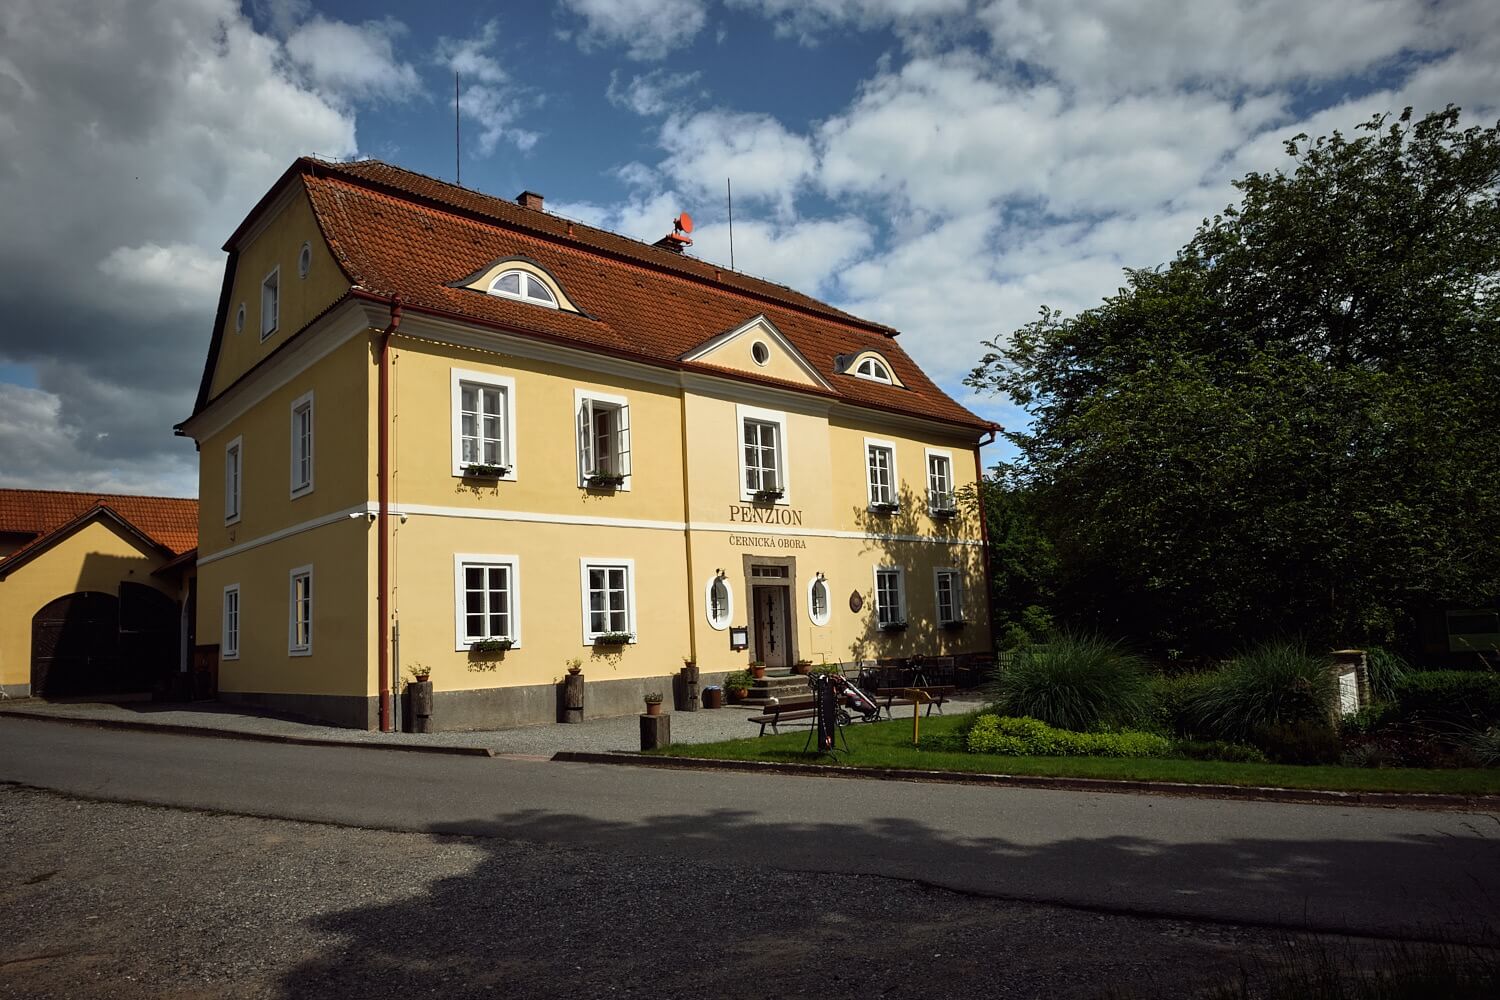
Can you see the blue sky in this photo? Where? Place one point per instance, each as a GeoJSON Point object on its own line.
{"type": "Point", "coordinates": [944, 166]}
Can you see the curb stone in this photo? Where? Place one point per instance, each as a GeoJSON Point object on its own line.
{"type": "Point", "coordinates": [1313, 796]}
{"type": "Point", "coordinates": [174, 729]}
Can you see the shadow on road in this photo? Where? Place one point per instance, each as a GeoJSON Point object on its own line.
{"type": "Point", "coordinates": [612, 908]}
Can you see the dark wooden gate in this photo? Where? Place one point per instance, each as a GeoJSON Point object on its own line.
{"type": "Point", "coordinates": [150, 631]}
{"type": "Point", "coordinates": [75, 646]}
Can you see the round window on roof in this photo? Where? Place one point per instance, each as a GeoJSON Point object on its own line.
{"type": "Point", "coordinates": [525, 286]}
{"type": "Point", "coordinates": [304, 260]}
{"type": "Point", "coordinates": [760, 352]}
{"type": "Point", "coordinates": [873, 370]}
{"type": "Point", "coordinates": [239, 318]}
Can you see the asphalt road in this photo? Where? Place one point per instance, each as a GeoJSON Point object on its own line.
{"type": "Point", "coordinates": [1329, 868]}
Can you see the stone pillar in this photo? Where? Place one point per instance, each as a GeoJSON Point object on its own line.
{"type": "Point", "coordinates": [573, 698]}
{"type": "Point", "coordinates": [1346, 661]}
{"type": "Point", "coordinates": [656, 731]}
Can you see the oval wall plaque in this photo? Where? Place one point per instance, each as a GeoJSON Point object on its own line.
{"type": "Point", "coordinates": [856, 602]}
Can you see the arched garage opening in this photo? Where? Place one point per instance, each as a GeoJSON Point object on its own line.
{"type": "Point", "coordinates": [91, 643]}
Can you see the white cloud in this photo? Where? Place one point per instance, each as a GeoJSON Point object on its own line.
{"type": "Point", "coordinates": [650, 94]}
{"type": "Point", "coordinates": [765, 160]}
{"type": "Point", "coordinates": [646, 29]}
{"type": "Point", "coordinates": [805, 254]}
{"type": "Point", "coordinates": [808, 20]}
{"type": "Point", "coordinates": [488, 95]}
{"type": "Point", "coordinates": [1253, 43]}
{"type": "Point", "coordinates": [132, 150]}
{"type": "Point", "coordinates": [357, 61]}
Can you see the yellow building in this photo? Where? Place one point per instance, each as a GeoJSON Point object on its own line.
{"type": "Point", "coordinates": [446, 430]}
{"type": "Point", "coordinates": [96, 593]}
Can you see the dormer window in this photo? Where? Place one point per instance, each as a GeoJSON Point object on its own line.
{"type": "Point", "coordinates": [873, 371]}
{"type": "Point", "coordinates": [525, 286]}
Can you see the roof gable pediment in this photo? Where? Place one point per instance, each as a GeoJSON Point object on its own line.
{"type": "Point", "coordinates": [757, 347]}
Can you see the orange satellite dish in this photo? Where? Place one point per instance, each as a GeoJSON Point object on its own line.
{"type": "Point", "coordinates": [684, 223]}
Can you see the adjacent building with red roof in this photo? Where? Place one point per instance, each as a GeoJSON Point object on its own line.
{"type": "Point", "coordinates": [95, 591]}
{"type": "Point", "coordinates": [459, 435]}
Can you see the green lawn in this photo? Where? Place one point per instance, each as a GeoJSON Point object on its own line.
{"type": "Point", "coordinates": [888, 744]}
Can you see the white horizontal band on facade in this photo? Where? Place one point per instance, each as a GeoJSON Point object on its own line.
{"type": "Point", "coordinates": [276, 536]}
{"type": "Point", "coordinates": [574, 520]}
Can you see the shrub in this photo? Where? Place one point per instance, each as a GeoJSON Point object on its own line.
{"type": "Point", "coordinates": [1076, 683]}
{"type": "Point", "coordinates": [1370, 719]}
{"type": "Point", "coordinates": [1484, 745]}
{"type": "Point", "coordinates": [1470, 699]}
{"type": "Point", "coordinates": [1173, 700]}
{"type": "Point", "coordinates": [1279, 684]}
{"type": "Point", "coordinates": [1306, 741]}
{"type": "Point", "coordinates": [1033, 738]}
{"type": "Point", "coordinates": [1386, 670]}
{"type": "Point", "coordinates": [1234, 753]}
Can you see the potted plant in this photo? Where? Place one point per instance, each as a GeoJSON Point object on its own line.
{"type": "Point", "coordinates": [893, 626]}
{"type": "Point", "coordinates": [419, 698]}
{"type": "Point", "coordinates": [612, 638]}
{"type": "Point", "coordinates": [713, 696]}
{"type": "Point", "coordinates": [803, 667]}
{"type": "Point", "coordinates": [769, 495]}
{"type": "Point", "coordinates": [575, 666]}
{"type": "Point", "coordinates": [884, 507]}
{"type": "Point", "coordinates": [653, 703]}
{"type": "Point", "coordinates": [605, 481]}
{"type": "Point", "coordinates": [954, 624]}
{"type": "Point", "coordinates": [758, 670]}
{"type": "Point", "coordinates": [484, 470]}
{"type": "Point", "coordinates": [499, 645]}
{"type": "Point", "coordinates": [738, 685]}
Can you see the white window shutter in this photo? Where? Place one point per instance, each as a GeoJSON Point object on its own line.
{"type": "Point", "coordinates": [622, 440]}
{"type": "Point", "coordinates": [586, 437]}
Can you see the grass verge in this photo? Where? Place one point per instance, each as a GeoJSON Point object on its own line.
{"type": "Point", "coordinates": [888, 745]}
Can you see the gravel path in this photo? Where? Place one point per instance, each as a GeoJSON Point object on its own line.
{"type": "Point", "coordinates": [594, 736]}
{"type": "Point", "coordinates": [135, 901]}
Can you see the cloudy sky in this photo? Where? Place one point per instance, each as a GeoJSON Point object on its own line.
{"type": "Point", "coordinates": [943, 166]}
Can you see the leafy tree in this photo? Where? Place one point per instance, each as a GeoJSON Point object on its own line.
{"type": "Point", "coordinates": [1293, 428]}
{"type": "Point", "coordinates": [1022, 565]}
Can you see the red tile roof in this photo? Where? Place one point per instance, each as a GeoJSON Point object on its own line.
{"type": "Point", "coordinates": [397, 232]}
{"type": "Point", "coordinates": [168, 521]}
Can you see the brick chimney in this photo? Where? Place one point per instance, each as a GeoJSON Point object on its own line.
{"type": "Point", "coordinates": [529, 199]}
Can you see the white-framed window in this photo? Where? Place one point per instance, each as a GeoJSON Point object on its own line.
{"type": "Point", "coordinates": [760, 353]}
{"type": "Point", "coordinates": [234, 467]}
{"type": "Point", "coordinates": [484, 421]}
{"type": "Point", "coordinates": [523, 285]}
{"type": "Point", "coordinates": [229, 644]}
{"type": "Point", "coordinates": [603, 422]}
{"type": "Point", "coordinates": [949, 591]}
{"type": "Point", "coordinates": [608, 597]}
{"type": "Point", "coordinates": [873, 371]}
{"type": "Point", "coordinates": [302, 445]}
{"type": "Point", "coordinates": [940, 495]}
{"type": "Point", "coordinates": [890, 596]}
{"type": "Point", "coordinates": [486, 598]}
{"type": "Point", "coordinates": [270, 302]}
{"type": "Point", "coordinates": [239, 318]}
{"type": "Point", "coordinates": [763, 454]}
{"type": "Point", "coordinates": [880, 471]}
{"type": "Point", "coordinates": [718, 603]}
{"type": "Point", "coordinates": [304, 260]}
{"type": "Point", "coordinates": [817, 601]}
{"type": "Point", "coordinates": [299, 624]}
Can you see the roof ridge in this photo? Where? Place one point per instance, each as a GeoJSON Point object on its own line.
{"type": "Point", "coordinates": [740, 281]}
{"type": "Point", "coordinates": [94, 493]}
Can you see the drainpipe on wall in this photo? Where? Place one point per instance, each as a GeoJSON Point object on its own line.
{"type": "Point", "coordinates": [383, 539]}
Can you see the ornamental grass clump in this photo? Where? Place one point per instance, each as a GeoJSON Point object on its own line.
{"type": "Point", "coordinates": [1077, 683]}
{"type": "Point", "coordinates": [1034, 738]}
{"type": "Point", "coordinates": [1276, 685]}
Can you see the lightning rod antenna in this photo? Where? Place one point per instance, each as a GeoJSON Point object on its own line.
{"type": "Point", "coordinates": [458, 169]}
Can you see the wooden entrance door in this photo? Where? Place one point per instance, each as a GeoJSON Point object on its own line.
{"type": "Point", "coordinates": [772, 625]}
{"type": "Point", "coordinates": [75, 646]}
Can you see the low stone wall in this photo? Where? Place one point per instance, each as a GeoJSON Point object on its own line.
{"type": "Point", "coordinates": [524, 705]}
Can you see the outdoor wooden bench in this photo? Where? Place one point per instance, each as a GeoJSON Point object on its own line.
{"type": "Point", "coordinates": [786, 711]}
{"type": "Point", "coordinates": [937, 693]}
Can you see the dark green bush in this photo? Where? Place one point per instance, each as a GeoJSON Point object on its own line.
{"type": "Point", "coordinates": [1075, 682]}
{"type": "Point", "coordinates": [1463, 698]}
{"type": "Point", "coordinates": [1033, 738]}
{"type": "Point", "coordinates": [1306, 741]}
{"type": "Point", "coordinates": [1234, 753]}
{"type": "Point", "coordinates": [1370, 719]}
{"type": "Point", "coordinates": [1279, 684]}
{"type": "Point", "coordinates": [1173, 700]}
